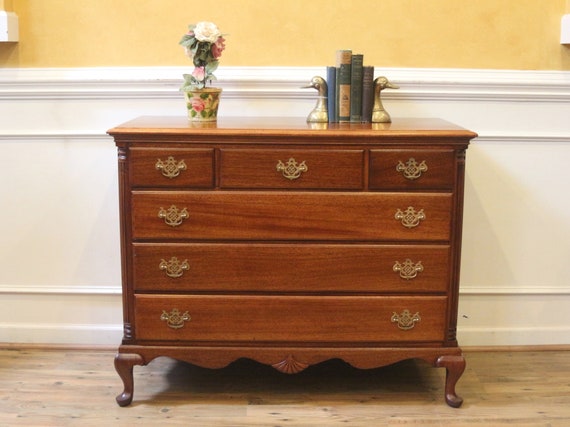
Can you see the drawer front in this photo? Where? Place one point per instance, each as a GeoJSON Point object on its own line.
{"type": "Point", "coordinates": [257, 319]}
{"type": "Point", "coordinates": [292, 168]}
{"type": "Point", "coordinates": [171, 167]}
{"type": "Point", "coordinates": [412, 169]}
{"type": "Point", "coordinates": [291, 216]}
{"type": "Point", "coordinates": [290, 268]}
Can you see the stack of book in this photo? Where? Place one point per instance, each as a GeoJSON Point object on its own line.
{"type": "Point", "coordinates": [350, 88]}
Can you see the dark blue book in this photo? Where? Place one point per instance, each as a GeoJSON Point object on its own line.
{"type": "Point", "coordinates": [367, 93]}
{"type": "Point", "coordinates": [331, 95]}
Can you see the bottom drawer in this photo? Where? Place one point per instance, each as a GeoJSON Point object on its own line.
{"type": "Point", "coordinates": [334, 319]}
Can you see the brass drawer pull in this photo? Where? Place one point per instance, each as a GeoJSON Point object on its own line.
{"type": "Point", "coordinates": [170, 168]}
{"type": "Point", "coordinates": [410, 218]}
{"type": "Point", "coordinates": [175, 319]}
{"type": "Point", "coordinates": [174, 267]}
{"type": "Point", "coordinates": [411, 169]}
{"type": "Point", "coordinates": [292, 170]}
{"type": "Point", "coordinates": [406, 320]}
{"type": "Point", "coordinates": [173, 216]}
{"type": "Point", "coordinates": [408, 270]}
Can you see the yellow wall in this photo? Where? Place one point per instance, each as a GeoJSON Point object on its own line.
{"type": "Point", "coordinates": [499, 34]}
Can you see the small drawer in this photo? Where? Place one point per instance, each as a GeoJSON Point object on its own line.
{"type": "Point", "coordinates": [291, 319]}
{"type": "Point", "coordinates": [257, 267]}
{"type": "Point", "coordinates": [301, 216]}
{"type": "Point", "coordinates": [292, 168]}
{"type": "Point", "coordinates": [412, 169]}
{"type": "Point", "coordinates": [171, 167]}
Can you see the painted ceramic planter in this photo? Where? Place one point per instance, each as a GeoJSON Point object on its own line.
{"type": "Point", "coordinates": [202, 104]}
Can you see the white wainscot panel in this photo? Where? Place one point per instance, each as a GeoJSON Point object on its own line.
{"type": "Point", "coordinates": [516, 234]}
{"type": "Point", "coordinates": [60, 223]}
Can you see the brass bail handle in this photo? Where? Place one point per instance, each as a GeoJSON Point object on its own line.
{"type": "Point", "coordinates": [410, 218]}
{"type": "Point", "coordinates": [174, 319]}
{"type": "Point", "coordinates": [408, 269]}
{"type": "Point", "coordinates": [292, 170]}
{"type": "Point", "coordinates": [174, 268]}
{"type": "Point", "coordinates": [173, 216]}
{"type": "Point", "coordinates": [412, 169]}
{"type": "Point", "coordinates": [405, 320]}
{"type": "Point", "coordinates": [170, 168]}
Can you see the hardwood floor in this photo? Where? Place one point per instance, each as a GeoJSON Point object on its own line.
{"type": "Point", "coordinates": [40, 387]}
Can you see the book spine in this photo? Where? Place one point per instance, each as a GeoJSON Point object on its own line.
{"type": "Point", "coordinates": [343, 61]}
{"type": "Point", "coordinates": [356, 87]}
{"type": "Point", "coordinates": [331, 94]}
{"type": "Point", "coordinates": [367, 93]}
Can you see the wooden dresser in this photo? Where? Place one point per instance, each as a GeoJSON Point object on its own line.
{"type": "Point", "coordinates": [290, 243]}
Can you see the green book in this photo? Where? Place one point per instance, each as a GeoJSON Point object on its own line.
{"type": "Point", "coordinates": [356, 87]}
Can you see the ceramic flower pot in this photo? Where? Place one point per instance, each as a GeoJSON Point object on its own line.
{"type": "Point", "coordinates": [202, 104]}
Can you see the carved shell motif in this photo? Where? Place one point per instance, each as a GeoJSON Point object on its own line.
{"type": "Point", "coordinates": [290, 365]}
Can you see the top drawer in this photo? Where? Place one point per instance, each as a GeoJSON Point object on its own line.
{"type": "Point", "coordinates": [413, 169]}
{"type": "Point", "coordinates": [171, 167]}
{"type": "Point", "coordinates": [292, 168]}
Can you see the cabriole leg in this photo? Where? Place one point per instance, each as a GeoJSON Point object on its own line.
{"type": "Point", "coordinates": [454, 365]}
{"type": "Point", "coordinates": [124, 363]}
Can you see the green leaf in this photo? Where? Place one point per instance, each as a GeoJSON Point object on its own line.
{"type": "Point", "coordinates": [212, 66]}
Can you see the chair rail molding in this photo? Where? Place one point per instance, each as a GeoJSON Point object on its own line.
{"type": "Point", "coordinates": [280, 83]}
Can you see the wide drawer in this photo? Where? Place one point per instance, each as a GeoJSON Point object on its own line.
{"type": "Point", "coordinates": [412, 169]}
{"type": "Point", "coordinates": [171, 167]}
{"type": "Point", "coordinates": [297, 268]}
{"type": "Point", "coordinates": [292, 168]}
{"type": "Point", "coordinates": [291, 216]}
{"type": "Point", "coordinates": [256, 319]}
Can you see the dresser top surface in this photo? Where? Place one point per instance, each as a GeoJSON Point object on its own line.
{"type": "Point", "coordinates": [289, 126]}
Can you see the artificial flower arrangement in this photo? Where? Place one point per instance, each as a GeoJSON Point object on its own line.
{"type": "Point", "coordinates": [203, 44]}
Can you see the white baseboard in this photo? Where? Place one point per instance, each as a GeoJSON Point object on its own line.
{"type": "Point", "coordinates": [512, 336]}
{"type": "Point", "coordinates": [61, 333]}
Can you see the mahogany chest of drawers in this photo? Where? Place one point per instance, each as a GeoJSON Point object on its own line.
{"type": "Point", "coordinates": [290, 243]}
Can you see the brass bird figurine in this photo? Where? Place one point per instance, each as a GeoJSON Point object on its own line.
{"type": "Point", "coordinates": [319, 114]}
{"type": "Point", "coordinates": [379, 114]}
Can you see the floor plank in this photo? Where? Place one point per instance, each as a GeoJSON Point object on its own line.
{"type": "Point", "coordinates": [41, 387]}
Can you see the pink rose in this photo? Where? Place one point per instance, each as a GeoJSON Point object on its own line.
{"type": "Point", "coordinates": [198, 104]}
{"type": "Point", "coordinates": [218, 47]}
{"type": "Point", "coordinates": [199, 73]}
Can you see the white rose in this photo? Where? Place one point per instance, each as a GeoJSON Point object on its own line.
{"type": "Point", "coordinates": [206, 32]}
